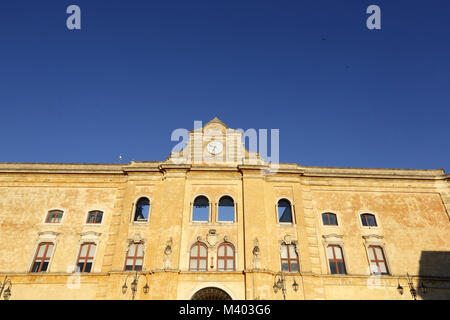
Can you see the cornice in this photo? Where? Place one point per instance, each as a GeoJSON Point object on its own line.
{"type": "Point", "coordinates": [416, 174]}
{"type": "Point", "coordinates": [63, 168]}
{"type": "Point", "coordinates": [269, 170]}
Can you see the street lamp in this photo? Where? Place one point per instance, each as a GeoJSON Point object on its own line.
{"type": "Point", "coordinates": [399, 288]}
{"type": "Point", "coordinates": [7, 293]}
{"type": "Point", "coordinates": [280, 284]}
{"type": "Point", "coordinates": [412, 290]}
{"type": "Point", "coordinates": [411, 287]}
{"type": "Point", "coordinates": [134, 285]}
{"type": "Point", "coordinates": [295, 286]}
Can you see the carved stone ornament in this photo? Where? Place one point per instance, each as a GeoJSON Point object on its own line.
{"type": "Point", "coordinates": [373, 239]}
{"type": "Point", "coordinates": [287, 239]}
{"type": "Point", "coordinates": [211, 237]}
{"type": "Point", "coordinates": [135, 238]}
{"type": "Point", "coordinates": [51, 235]}
{"type": "Point", "coordinates": [90, 235]}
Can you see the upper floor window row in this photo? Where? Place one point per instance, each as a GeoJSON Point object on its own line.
{"type": "Point", "coordinates": [367, 219]}
{"type": "Point", "coordinates": [201, 209]}
{"type": "Point", "coordinates": [226, 210]}
{"type": "Point", "coordinates": [56, 216]}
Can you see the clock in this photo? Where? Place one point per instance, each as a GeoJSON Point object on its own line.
{"type": "Point", "coordinates": [214, 147]}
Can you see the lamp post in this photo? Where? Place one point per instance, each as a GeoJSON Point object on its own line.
{"type": "Point", "coordinates": [134, 285]}
{"type": "Point", "coordinates": [280, 284]}
{"type": "Point", "coordinates": [412, 290]}
{"type": "Point", "coordinates": [7, 292]}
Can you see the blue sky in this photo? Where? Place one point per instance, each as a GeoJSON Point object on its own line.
{"type": "Point", "coordinates": [139, 69]}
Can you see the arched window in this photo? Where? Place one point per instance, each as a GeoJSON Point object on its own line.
{"type": "Point", "coordinates": [198, 259]}
{"type": "Point", "coordinates": [54, 216]}
{"type": "Point", "coordinates": [86, 256]}
{"type": "Point", "coordinates": [336, 259]}
{"type": "Point", "coordinates": [329, 219]}
{"type": "Point", "coordinates": [226, 257]}
{"type": "Point", "coordinates": [42, 257]}
{"type": "Point", "coordinates": [284, 211]}
{"type": "Point", "coordinates": [200, 210]}
{"type": "Point", "coordinates": [368, 220]}
{"type": "Point", "coordinates": [226, 209]}
{"type": "Point", "coordinates": [142, 209]}
{"type": "Point", "coordinates": [94, 216]}
{"type": "Point", "coordinates": [135, 257]}
{"type": "Point", "coordinates": [289, 258]}
{"type": "Point", "coordinates": [377, 260]}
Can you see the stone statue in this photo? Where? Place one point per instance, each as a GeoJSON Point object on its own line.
{"type": "Point", "coordinates": [168, 254]}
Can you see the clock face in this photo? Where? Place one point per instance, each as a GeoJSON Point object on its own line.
{"type": "Point", "coordinates": [214, 147]}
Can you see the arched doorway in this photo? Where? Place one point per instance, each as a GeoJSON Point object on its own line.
{"type": "Point", "coordinates": [211, 293]}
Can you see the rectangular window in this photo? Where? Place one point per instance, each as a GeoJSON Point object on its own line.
{"type": "Point", "coordinates": [42, 257]}
{"type": "Point", "coordinates": [368, 220]}
{"type": "Point", "coordinates": [289, 258]}
{"type": "Point", "coordinates": [198, 257]}
{"type": "Point", "coordinates": [225, 257]}
{"type": "Point", "coordinates": [336, 259]}
{"type": "Point", "coordinates": [377, 260]}
{"type": "Point", "coordinates": [95, 217]}
{"type": "Point", "coordinates": [329, 219]}
{"type": "Point", "coordinates": [86, 256]}
{"type": "Point", "coordinates": [135, 257]}
{"type": "Point", "coordinates": [54, 216]}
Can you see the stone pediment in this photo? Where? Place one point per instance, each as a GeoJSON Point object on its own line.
{"type": "Point", "coordinates": [215, 143]}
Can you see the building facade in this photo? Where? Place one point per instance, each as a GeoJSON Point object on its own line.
{"type": "Point", "coordinates": [215, 221]}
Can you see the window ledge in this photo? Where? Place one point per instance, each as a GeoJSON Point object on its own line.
{"type": "Point", "coordinates": [139, 223]}
{"type": "Point", "coordinates": [199, 222]}
{"type": "Point", "coordinates": [286, 224]}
